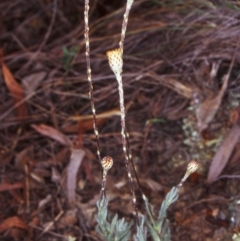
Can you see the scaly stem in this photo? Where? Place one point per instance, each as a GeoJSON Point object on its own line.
{"type": "Point", "coordinates": [124, 141]}
{"type": "Point", "coordinates": [124, 24]}
{"type": "Point", "coordinates": [89, 76]}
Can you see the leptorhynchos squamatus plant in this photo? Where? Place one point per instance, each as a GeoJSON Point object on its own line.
{"type": "Point", "coordinates": [114, 228]}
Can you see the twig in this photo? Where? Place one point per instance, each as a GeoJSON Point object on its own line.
{"type": "Point", "coordinates": [46, 37]}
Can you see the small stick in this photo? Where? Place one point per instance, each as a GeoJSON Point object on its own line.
{"type": "Point", "coordinates": [89, 76]}
{"type": "Point", "coordinates": [46, 37]}
{"type": "Point", "coordinates": [52, 223]}
{"type": "Point", "coordinates": [26, 169]}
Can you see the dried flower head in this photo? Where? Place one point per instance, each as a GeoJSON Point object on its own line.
{"type": "Point", "coordinates": [192, 167]}
{"type": "Point", "coordinates": [115, 60]}
{"type": "Point", "coordinates": [107, 163]}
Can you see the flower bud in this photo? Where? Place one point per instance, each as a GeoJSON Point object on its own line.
{"type": "Point", "coordinates": [107, 163]}
{"type": "Point", "coordinates": [115, 60]}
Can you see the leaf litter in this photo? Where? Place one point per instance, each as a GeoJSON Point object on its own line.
{"type": "Point", "coordinates": [160, 82]}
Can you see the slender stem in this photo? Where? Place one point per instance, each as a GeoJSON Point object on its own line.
{"type": "Point", "coordinates": [104, 180]}
{"type": "Point", "coordinates": [131, 161]}
{"type": "Point", "coordinates": [124, 141]}
{"type": "Point", "coordinates": [89, 76]}
{"type": "Point", "coordinates": [124, 24]}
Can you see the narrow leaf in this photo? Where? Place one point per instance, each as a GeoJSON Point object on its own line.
{"type": "Point", "coordinates": [72, 170]}
{"type": "Point", "coordinates": [11, 223]}
{"type": "Point", "coordinates": [223, 153]}
{"type": "Point", "coordinates": [10, 186]}
{"type": "Point", "coordinates": [16, 91]}
{"type": "Point", "coordinates": [52, 133]}
{"type": "Point", "coordinates": [208, 108]}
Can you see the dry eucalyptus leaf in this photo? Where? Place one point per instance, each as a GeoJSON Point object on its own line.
{"type": "Point", "coordinates": [173, 84]}
{"type": "Point", "coordinates": [120, 184]}
{"type": "Point", "coordinates": [223, 153]}
{"type": "Point", "coordinates": [69, 218]}
{"type": "Point", "coordinates": [42, 203]}
{"type": "Point", "coordinates": [208, 108]}
{"type": "Point", "coordinates": [23, 157]}
{"type": "Point", "coordinates": [76, 158]}
{"type": "Point", "coordinates": [10, 186]}
{"type": "Point", "coordinates": [12, 222]}
{"type": "Point", "coordinates": [16, 91]}
{"type": "Point", "coordinates": [55, 175]}
{"type": "Point", "coordinates": [154, 186]}
{"type": "Point", "coordinates": [32, 81]}
{"type": "Point", "coordinates": [52, 133]}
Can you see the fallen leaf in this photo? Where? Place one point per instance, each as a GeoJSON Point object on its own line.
{"type": "Point", "coordinates": [55, 176]}
{"type": "Point", "coordinates": [68, 219]}
{"type": "Point", "coordinates": [23, 157]}
{"type": "Point", "coordinates": [32, 81]}
{"type": "Point", "coordinates": [120, 184]}
{"type": "Point", "coordinates": [173, 84]}
{"type": "Point", "coordinates": [53, 134]}
{"type": "Point", "coordinates": [72, 170]}
{"type": "Point", "coordinates": [154, 186]}
{"type": "Point", "coordinates": [9, 186]}
{"type": "Point", "coordinates": [208, 108]}
{"type": "Point", "coordinates": [98, 116]}
{"type": "Point", "coordinates": [11, 223]}
{"type": "Point", "coordinates": [223, 153]}
{"type": "Point", "coordinates": [42, 203]}
{"type": "Point", "coordinates": [16, 91]}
